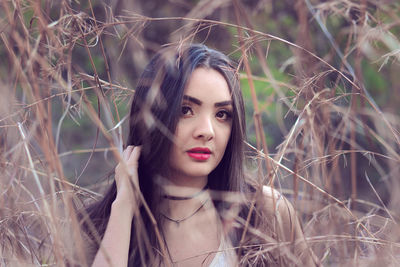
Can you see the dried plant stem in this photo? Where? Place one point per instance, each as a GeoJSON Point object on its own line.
{"type": "Point", "coordinates": [260, 135]}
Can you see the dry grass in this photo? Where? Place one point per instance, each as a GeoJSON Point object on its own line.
{"type": "Point", "coordinates": [338, 160]}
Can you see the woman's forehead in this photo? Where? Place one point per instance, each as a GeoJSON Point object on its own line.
{"type": "Point", "coordinates": [208, 85]}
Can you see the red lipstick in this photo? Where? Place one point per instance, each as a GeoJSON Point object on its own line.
{"type": "Point", "coordinates": [199, 153]}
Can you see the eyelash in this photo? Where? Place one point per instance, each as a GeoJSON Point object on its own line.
{"type": "Point", "coordinates": [227, 115]}
{"type": "Point", "coordinates": [187, 108]}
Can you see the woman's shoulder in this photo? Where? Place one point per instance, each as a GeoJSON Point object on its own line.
{"type": "Point", "coordinates": [270, 193]}
{"type": "Point", "coordinates": [272, 202]}
{"type": "Point", "coordinates": [278, 205]}
{"type": "Point", "coordinates": [275, 209]}
{"type": "Point", "coordinates": [281, 218]}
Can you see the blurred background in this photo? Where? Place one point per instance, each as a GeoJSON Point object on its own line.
{"type": "Point", "coordinates": [321, 85]}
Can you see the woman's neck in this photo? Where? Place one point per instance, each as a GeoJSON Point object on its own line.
{"type": "Point", "coordinates": [184, 187]}
{"type": "Point", "coordinates": [185, 182]}
{"type": "Point", "coordinates": [181, 197]}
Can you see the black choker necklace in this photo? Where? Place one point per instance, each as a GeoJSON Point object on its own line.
{"type": "Point", "coordinates": [178, 221]}
{"type": "Point", "coordinates": [188, 197]}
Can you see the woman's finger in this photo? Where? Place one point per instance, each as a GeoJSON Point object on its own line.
{"type": "Point", "coordinates": [134, 155]}
{"type": "Point", "coordinates": [127, 152]}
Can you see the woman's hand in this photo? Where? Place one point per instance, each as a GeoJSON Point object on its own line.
{"type": "Point", "coordinates": [114, 249]}
{"type": "Point", "coordinates": [126, 176]}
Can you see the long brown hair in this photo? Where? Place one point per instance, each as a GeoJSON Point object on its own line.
{"type": "Point", "coordinates": [155, 112]}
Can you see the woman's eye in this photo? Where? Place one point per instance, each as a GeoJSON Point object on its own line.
{"type": "Point", "coordinates": [186, 111]}
{"type": "Point", "coordinates": [224, 115]}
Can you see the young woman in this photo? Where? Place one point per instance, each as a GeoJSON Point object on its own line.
{"type": "Point", "coordinates": [185, 153]}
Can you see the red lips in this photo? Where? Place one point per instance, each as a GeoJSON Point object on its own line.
{"type": "Point", "coordinates": [199, 153]}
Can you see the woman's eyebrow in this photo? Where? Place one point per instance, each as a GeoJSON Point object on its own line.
{"type": "Point", "coordinates": [192, 99]}
{"type": "Point", "coordinates": [223, 103]}
{"type": "Point", "coordinates": [198, 101]}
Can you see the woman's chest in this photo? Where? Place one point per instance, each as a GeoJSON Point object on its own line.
{"type": "Point", "coordinates": [193, 246]}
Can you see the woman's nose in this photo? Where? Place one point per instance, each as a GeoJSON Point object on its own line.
{"type": "Point", "coordinates": [204, 128]}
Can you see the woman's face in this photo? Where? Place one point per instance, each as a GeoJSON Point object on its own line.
{"type": "Point", "coordinates": [204, 128]}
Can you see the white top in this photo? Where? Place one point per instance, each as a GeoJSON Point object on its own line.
{"type": "Point", "coordinates": [225, 256]}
